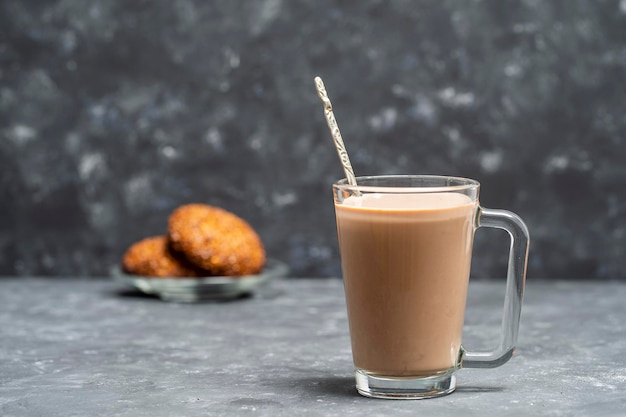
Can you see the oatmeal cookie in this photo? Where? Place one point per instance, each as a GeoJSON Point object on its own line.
{"type": "Point", "coordinates": [152, 257]}
{"type": "Point", "coordinates": [215, 240]}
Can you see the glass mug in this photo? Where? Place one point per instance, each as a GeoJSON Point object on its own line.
{"type": "Point", "coordinates": [405, 243]}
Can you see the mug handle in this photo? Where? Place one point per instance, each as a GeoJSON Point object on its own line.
{"type": "Point", "coordinates": [516, 276]}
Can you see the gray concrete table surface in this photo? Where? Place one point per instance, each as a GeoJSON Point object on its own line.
{"type": "Point", "coordinates": [78, 347]}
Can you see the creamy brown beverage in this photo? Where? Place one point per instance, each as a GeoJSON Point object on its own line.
{"type": "Point", "coordinates": [406, 263]}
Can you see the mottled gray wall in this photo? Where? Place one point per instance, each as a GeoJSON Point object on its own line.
{"type": "Point", "coordinates": [112, 113]}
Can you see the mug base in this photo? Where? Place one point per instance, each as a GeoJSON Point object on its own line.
{"type": "Point", "coordinates": [405, 388]}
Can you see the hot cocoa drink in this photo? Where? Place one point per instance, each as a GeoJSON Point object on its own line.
{"type": "Point", "coordinates": [406, 263]}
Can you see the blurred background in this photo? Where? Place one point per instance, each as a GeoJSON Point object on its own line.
{"type": "Point", "coordinates": [113, 113]}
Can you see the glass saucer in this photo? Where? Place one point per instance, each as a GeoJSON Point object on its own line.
{"type": "Point", "coordinates": [189, 290]}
